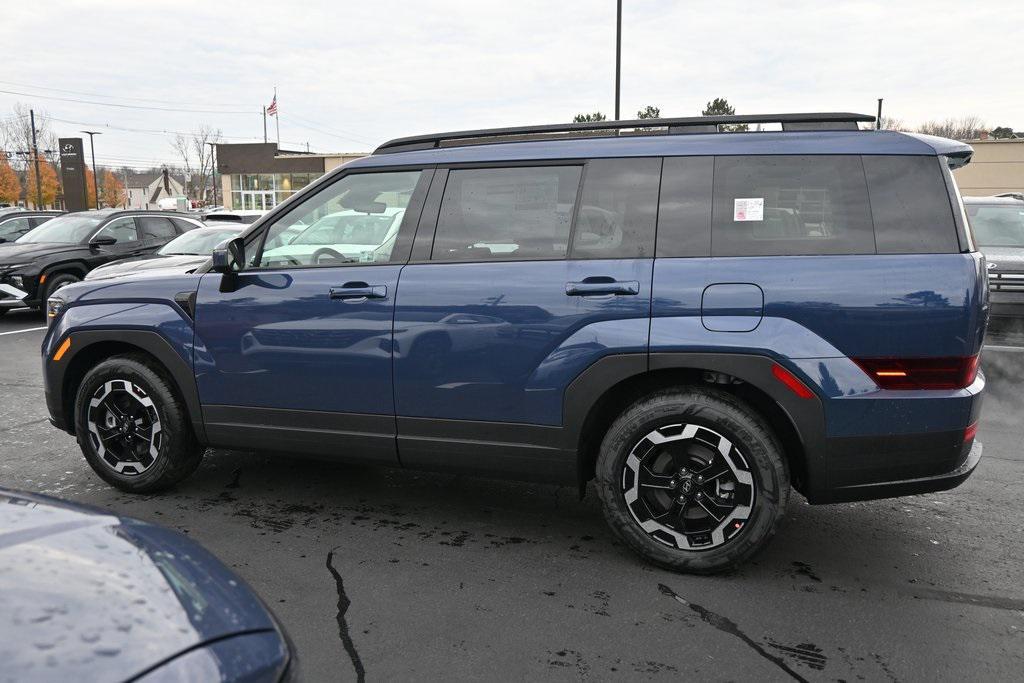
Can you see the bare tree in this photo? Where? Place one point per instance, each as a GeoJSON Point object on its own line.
{"type": "Point", "coordinates": [16, 135]}
{"type": "Point", "coordinates": [893, 123]}
{"type": "Point", "coordinates": [963, 128]}
{"type": "Point", "coordinates": [196, 157]}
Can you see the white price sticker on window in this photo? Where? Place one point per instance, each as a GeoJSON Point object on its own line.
{"type": "Point", "coordinates": [748, 209]}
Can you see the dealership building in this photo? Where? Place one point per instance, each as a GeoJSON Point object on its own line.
{"type": "Point", "coordinates": [260, 176]}
{"type": "Point", "coordinates": [997, 166]}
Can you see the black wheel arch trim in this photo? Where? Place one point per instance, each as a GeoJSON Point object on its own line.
{"type": "Point", "coordinates": [153, 343]}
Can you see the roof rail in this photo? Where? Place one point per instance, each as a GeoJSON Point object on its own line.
{"type": "Point", "coordinates": [692, 124]}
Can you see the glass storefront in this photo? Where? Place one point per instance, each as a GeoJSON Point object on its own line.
{"type": "Point", "coordinates": [262, 191]}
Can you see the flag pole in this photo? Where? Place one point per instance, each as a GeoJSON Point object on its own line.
{"type": "Point", "coordinates": [277, 120]}
{"type": "Point", "coordinates": [264, 124]}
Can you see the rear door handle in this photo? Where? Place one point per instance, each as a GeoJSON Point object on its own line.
{"type": "Point", "coordinates": [602, 287]}
{"type": "Point", "coordinates": [359, 290]}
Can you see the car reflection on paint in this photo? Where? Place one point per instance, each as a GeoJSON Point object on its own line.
{"type": "Point", "coordinates": [88, 595]}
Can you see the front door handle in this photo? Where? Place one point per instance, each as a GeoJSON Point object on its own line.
{"type": "Point", "coordinates": [602, 287]}
{"type": "Point", "coordinates": [359, 290]}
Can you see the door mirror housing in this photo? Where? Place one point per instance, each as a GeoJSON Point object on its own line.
{"type": "Point", "coordinates": [102, 241]}
{"type": "Point", "coordinates": [229, 257]}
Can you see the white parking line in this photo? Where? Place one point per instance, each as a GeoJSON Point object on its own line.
{"type": "Point", "coordinates": [31, 329]}
{"type": "Point", "coordinates": [996, 347]}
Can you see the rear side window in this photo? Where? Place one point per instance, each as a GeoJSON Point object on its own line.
{"type": "Point", "coordinates": [910, 205]}
{"type": "Point", "coordinates": [684, 211]}
{"type": "Point", "coordinates": [515, 213]}
{"type": "Point", "coordinates": [156, 228]}
{"type": "Point", "coordinates": [618, 209]}
{"type": "Point", "coordinates": [790, 205]}
{"type": "Point", "coordinates": [183, 225]}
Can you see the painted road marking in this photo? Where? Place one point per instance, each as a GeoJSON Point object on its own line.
{"type": "Point", "coordinates": [31, 329]}
{"type": "Point", "coordinates": [996, 347]}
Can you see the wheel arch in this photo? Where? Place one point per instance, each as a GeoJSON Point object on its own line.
{"type": "Point", "coordinates": [94, 346]}
{"type": "Point", "coordinates": [606, 388]}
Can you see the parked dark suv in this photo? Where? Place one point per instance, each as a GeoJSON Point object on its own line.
{"type": "Point", "coordinates": [998, 226]}
{"type": "Point", "coordinates": [697, 320]}
{"type": "Point", "coordinates": [16, 222]}
{"type": "Point", "coordinates": [63, 249]}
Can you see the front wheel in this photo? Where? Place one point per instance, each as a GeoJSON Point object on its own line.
{"type": "Point", "coordinates": [132, 428]}
{"type": "Point", "coordinates": [693, 480]}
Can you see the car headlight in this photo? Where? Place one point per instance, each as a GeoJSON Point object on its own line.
{"type": "Point", "coordinates": [18, 281]}
{"type": "Point", "coordinates": [54, 305]}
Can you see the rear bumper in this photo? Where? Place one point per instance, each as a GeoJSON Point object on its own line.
{"type": "Point", "coordinates": [909, 487]}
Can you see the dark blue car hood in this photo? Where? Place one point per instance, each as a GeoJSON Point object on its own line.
{"type": "Point", "coordinates": [90, 596]}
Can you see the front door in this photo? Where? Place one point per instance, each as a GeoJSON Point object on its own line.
{"type": "Point", "coordinates": [294, 352]}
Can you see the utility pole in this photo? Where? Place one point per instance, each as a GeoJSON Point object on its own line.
{"type": "Point", "coordinates": [95, 175]}
{"type": "Point", "coordinates": [35, 157]}
{"type": "Point", "coordinates": [878, 119]}
{"type": "Point", "coordinates": [618, 54]}
{"type": "Point", "coordinates": [213, 169]}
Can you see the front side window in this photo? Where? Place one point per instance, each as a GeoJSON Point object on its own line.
{"type": "Point", "coordinates": [354, 220]}
{"type": "Point", "coordinates": [618, 209]}
{"type": "Point", "coordinates": [506, 213]}
{"type": "Point", "coordinates": [997, 225]}
{"type": "Point", "coordinates": [122, 229]}
{"type": "Point", "coordinates": [790, 205]}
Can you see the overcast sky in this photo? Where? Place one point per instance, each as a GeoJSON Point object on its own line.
{"type": "Point", "coordinates": [352, 74]}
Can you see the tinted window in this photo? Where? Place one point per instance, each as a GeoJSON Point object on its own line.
{"type": "Point", "coordinates": [14, 227]}
{"type": "Point", "coordinates": [354, 220]}
{"type": "Point", "coordinates": [121, 229]}
{"type": "Point", "coordinates": [910, 205]}
{"type": "Point", "coordinates": [684, 212]}
{"type": "Point", "coordinates": [183, 225]}
{"type": "Point", "coordinates": [781, 205]}
{"type": "Point", "coordinates": [618, 209]}
{"type": "Point", "coordinates": [506, 213]}
{"type": "Point", "coordinates": [156, 228]}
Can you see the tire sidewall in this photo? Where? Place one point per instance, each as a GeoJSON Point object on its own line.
{"type": "Point", "coordinates": [56, 282]}
{"type": "Point", "coordinates": [172, 436]}
{"type": "Point", "coordinates": [715, 411]}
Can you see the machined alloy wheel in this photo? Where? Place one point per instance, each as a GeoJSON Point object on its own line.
{"type": "Point", "coordinates": [124, 426]}
{"type": "Point", "coordinates": [693, 479]}
{"type": "Point", "coordinates": [688, 487]}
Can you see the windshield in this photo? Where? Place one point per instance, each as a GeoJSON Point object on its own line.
{"type": "Point", "coordinates": [69, 229]}
{"type": "Point", "coordinates": [997, 226]}
{"type": "Point", "coordinates": [348, 229]}
{"type": "Point", "coordinates": [198, 242]}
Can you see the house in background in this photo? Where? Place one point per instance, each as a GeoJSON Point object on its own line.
{"type": "Point", "coordinates": [144, 190]}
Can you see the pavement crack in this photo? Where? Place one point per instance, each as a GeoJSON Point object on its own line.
{"type": "Point", "coordinates": [726, 626]}
{"type": "Point", "coordinates": [343, 604]}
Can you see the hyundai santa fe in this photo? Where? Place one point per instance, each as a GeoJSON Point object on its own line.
{"type": "Point", "coordinates": [697, 319]}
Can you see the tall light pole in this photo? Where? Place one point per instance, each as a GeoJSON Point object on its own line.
{"type": "Point", "coordinates": [213, 169]}
{"type": "Point", "coordinates": [618, 54]}
{"type": "Point", "coordinates": [95, 176]}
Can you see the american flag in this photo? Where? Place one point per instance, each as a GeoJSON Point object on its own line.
{"type": "Point", "coordinates": [272, 109]}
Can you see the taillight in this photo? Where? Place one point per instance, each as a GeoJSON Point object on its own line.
{"type": "Point", "coordinates": [921, 373]}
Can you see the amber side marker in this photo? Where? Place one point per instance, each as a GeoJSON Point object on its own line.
{"type": "Point", "coordinates": [42, 278]}
{"type": "Point", "coordinates": [62, 349]}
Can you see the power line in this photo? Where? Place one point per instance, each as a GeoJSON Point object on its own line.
{"type": "Point", "coordinates": [126, 106]}
{"type": "Point", "coordinates": [112, 97]}
{"type": "Point", "coordinates": [154, 131]}
{"type": "Point", "coordinates": [311, 125]}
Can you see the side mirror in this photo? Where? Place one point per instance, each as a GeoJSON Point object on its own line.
{"type": "Point", "coordinates": [229, 257]}
{"type": "Point", "coordinates": [103, 241]}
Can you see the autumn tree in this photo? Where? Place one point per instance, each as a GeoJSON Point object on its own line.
{"type": "Point", "coordinates": [649, 112]}
{"type": "Point", "coordinates": [90, 188]}
{"type": "Point", "coordinates": [113, 190]}
{"type": "Point", "coordinates": [47, 184]}
{"type": "Point", "coordinates": [10, 188]}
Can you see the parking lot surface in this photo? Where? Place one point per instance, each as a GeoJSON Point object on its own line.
{"type": "Point", "coordinates": [381, 573]}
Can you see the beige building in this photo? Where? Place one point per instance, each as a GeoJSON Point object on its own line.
{"type": "Point", "coordinates": [997, 166]}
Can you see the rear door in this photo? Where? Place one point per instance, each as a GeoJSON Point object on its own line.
{"type": "Point", "coordinates": [533, 273]}
{"type": "Point", "coordinates": [294, 352]}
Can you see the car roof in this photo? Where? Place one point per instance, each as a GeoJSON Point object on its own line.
{"type": "Point", "coordinates": [994, 201]}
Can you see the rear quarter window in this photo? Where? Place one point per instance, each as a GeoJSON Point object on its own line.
{"type": "Point", "coordinates": [790, 205]}
{"type": "Point", "coordinates": [910, 205]}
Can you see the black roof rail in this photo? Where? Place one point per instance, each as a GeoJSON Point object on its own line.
{"type": "Point", "coordinates": [675, 126]}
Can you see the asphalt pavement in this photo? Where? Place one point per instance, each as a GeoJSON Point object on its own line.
{"type": "Point", "coordinates": [390, 574]}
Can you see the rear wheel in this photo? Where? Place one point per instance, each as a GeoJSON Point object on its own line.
{"type": "Point", "coordinates": [132, 428]}
{"type": "Point", "coordinates": [693, 480]}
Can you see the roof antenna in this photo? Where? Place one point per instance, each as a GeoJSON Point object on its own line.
{"type": "Point", "coordinates": [878, 119]}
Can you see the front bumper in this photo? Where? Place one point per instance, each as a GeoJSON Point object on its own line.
{"type": "Point", "coordinates": [12, 297]}
{"type": "Point", "coordinates": [1006, 304]}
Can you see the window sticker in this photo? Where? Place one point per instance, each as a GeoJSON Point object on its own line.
{"type": "Point", "coordinates": [748, 209]}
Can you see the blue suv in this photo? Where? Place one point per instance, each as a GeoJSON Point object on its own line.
{"type": "Point", "coordinates": [695, 317]}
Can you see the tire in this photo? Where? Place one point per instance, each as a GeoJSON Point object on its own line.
{"type": "Point", "coordinates": [55, 282]}
{"type": "Point", "coordinates": [157, 448]}
{"type": "Point", "coordinates": [651, 471]}
{"type": "Point", "coordinates": [3, 311]}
